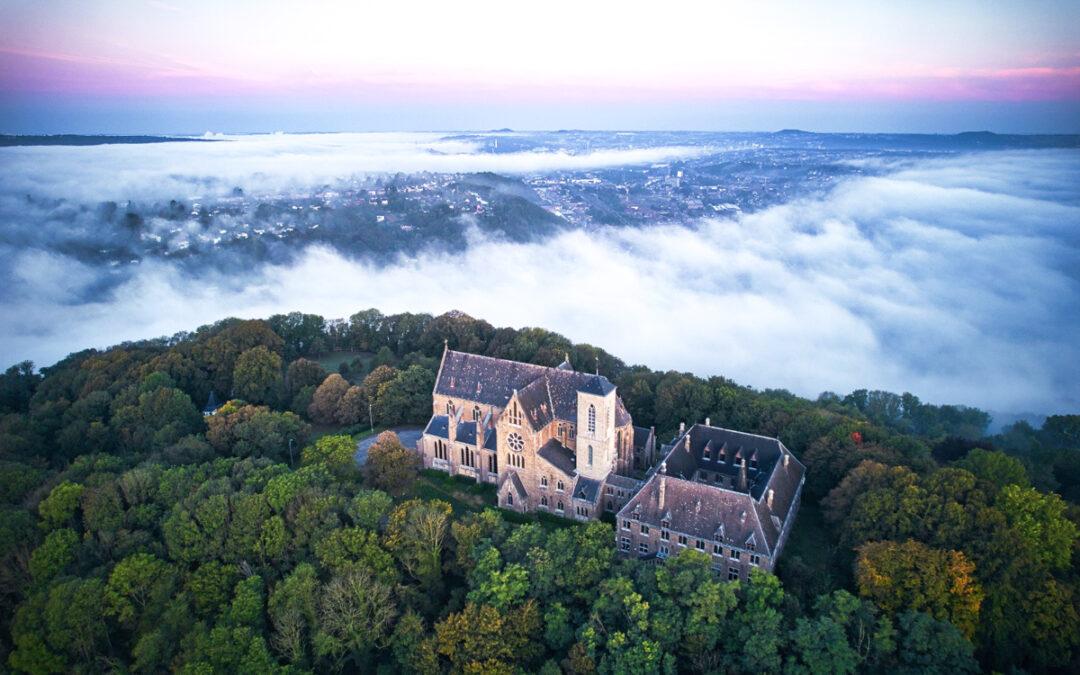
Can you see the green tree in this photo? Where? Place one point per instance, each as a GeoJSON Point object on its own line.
{"type": "Point", "coordinates": [406, 398]}
{"type": "Point", "coordinates": [161, 417]}
{"type": "Point", "coordinates": [369, 508]}
{"type": "Point", "coordinates": [356, 612]}
{"type": "Point", "coordinates": [58, 509]}
{"type": "Point", "coordinates": [354, 548]}
{"type": "Point", "coordinates": [137, 581]}
{"type": "Point", "coordinates": [416, 533]}
{"type": "Point", "coordinates": [257, 376]}
{"type": "Point", "coordinates": [929, 646]}
{"type": "Point", "coordinates": [54, 554]}
{"type": "Point", "coordinates": [1039, 522]}
{"type": "Point", "coordinates": [292, 608]}
{"type": "Point", "coordinates": [996, 468]}
{"type": "Point", "coordinates": [412, 648]}
{"type": "Point", "coordinates": [495, 584]}
{"type": "Point", "coordinates": [303, 373]}
{"type": "Point", "coordinates": [336, 453]}
{"type": "Point", "coordinates": [758, 637]}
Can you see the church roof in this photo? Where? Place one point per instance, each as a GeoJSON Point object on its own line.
{"type": "Point", "coordinates": [515, 484]}
{"type": "Point", "coordinates": [587, 489]}
{"type": "Point", "coordinates": [641, 437]}
{"type": "Point", "coordinates": [559, 456]}
{"type": "Point", "coordinates": [465, 432]}
{"type": "Point", "coordinates": [439, 426]}
{"type": "Point", "coordinates": [491, 381]}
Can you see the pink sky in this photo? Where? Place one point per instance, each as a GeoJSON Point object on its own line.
{"type": "Point", "coordinates": [561, 52]}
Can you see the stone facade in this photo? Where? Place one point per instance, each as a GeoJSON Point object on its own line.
{"type": "Point", "coordinates": [551, 439]}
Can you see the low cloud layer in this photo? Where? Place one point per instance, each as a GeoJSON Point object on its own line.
{"type": "Point", "coordinates": [278, 162]}
{"type": "Point", "coordinates": [957, 279]}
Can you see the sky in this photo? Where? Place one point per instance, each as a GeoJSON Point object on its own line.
{"type": "Point", "coordinates": [154, 66]}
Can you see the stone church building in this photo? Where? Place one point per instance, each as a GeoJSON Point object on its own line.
{"type": "Point", "coordinates": [561, 441]}
{"type": "Point", "coordinates": [551, 439]}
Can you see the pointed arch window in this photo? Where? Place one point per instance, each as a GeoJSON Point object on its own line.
{"type": "Point", "coordinates": [592, 419]}
{"type": "Point", "coordinates": [590, 455]}
{"type": "Point", "coordinates": [476, 413]}
{"type": "Point", "coordinates": [450, 408]}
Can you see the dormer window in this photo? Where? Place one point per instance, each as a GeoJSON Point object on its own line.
{"type": "Point", "coordinates": [592, 419]}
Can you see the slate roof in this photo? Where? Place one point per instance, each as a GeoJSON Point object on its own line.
{"type": "Point", "coordinates": [587, 489]}
{"type": "Point", "coordinates": [492, 381]}
{"type": "Point", "coordinates": [700, 511]}
{"type": "Point", "coordinates": [491, 439]}
{"type": "Point", "coordinates": [726, 450]}
{"type": "Point", "coordinates": [559, 456]}
{"type": "Point", "coordinates": [641, 437]}
{"type": "Point", "coordinates": [515, 484]}
{"type": "Point", "coordinates": [620, 481]}
{"type": "Point", "coordinates": [597, 385]}
{"type": "Point", "coordinates": [704, 510]}
{"type": "Point", "coordinates": [536, 404]}
{"type": "Point", "coordinates": [465, 432]}
{"type": "Point", "coordinates": [439, 426]}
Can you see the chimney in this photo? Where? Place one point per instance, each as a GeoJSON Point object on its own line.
{"type": "Point", "coordinates": [661, 491]}
{"type": "Point", "coordinates": [708, 422]}
{"type": "Point", "coordinates": [742, 476]}
{"type": "Point", "coordinates": [787, 456]}
{"type": "Point", "coordinates": [682, 428]}
{"type": "Point", "coordinates": [686, 442]}
{"type": "Point", "coordinates": [769, 499]}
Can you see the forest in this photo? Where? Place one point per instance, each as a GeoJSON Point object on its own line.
{"type": "Point", "coordinates": [139, 534]}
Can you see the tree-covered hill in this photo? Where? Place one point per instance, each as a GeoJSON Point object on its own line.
{"type": "Point", "coordinates": [139, 535]}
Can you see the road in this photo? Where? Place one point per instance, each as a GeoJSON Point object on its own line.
{"type": "Point", "coordinates": [408, 435]}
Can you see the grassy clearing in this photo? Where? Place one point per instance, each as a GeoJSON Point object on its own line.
{"type": "Point", "coordinates": [463, 494]}
{"type": "Point", "coordinates": [330, 362]}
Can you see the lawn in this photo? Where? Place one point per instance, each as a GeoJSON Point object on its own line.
{"type": "Point", "coordinates": [330, 362]}
{"type": "Point", "coordinates": [466, 495]}
{"type": "Point", "coordinates": [463, 494]}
